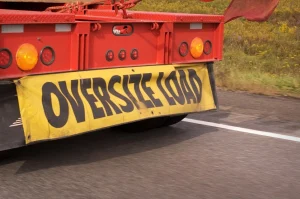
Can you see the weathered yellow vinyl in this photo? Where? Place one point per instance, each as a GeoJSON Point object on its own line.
{"type": "Point", "coordinates": [59, 105]}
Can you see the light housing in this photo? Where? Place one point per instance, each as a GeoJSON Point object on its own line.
{"type": "Point", "coordinates": [47, 56]}
{"type": "Point", "coordinates": [196, 48]}
{"type": "Point", "coordinates": [183, 49]}
{"type": "Point", "coordinates": [110, 55]}
{"type": "Point", "coordinates": [122, 55]}
{"type": "Point", "coordinates": [5, 58]}
{"type": "Point", "coordinates": [207, 47]}
{"type": "Point", "coordinates": [27, 57]}
{"type": "Point", "coordinates": [134, 54]}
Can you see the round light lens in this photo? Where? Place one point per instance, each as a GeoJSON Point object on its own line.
{"type": "Point", "coordinates": [47, 56]}
{"type": "Point", "coordinates": [27, 57]}
{"type": "Point", "coordinates": [5, 58]}
{"type": "Point", "coordinates": [183, 49]}
{"type": "Point", "coordinates": [207, 47]}
{"type": "Point", "coordinates": [122, 55]}
{"type": "Point", "coordinates": [134, 54]}
{"type": "Point", "coordinates": [197, 47]}
{"type": "Point", "coordinates": [110, 55]}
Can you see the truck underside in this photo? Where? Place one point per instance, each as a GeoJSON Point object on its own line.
{"type": "Point", "coordinates": [68, 69]}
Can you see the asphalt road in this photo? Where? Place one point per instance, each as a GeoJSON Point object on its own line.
{"type": "Point", "coordinates": [181, 162]}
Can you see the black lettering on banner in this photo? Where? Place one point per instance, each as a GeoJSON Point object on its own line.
{"type": "Point", "coordinates": [195, 81]}
{"type": "Point", "coordinates": [128, 93]}
{"type": "Point", "coordinates": [136, 80]}
{"type": "Point", "coordinates": [186, 89]}
{"type": "Point", "coordinates": [117, 79]}
{"type": "Point", "coordinates": [54, 120]}
{"type": "Point", "coordinates": [146, 78]}
{"type": "Point", "coordinates": [85, 85]}
{"type": "Point", "coordinates": [172, 77]}
{"type": "Point", "coordinates": [76, 102]}
{"type": "Point", "coordinates": [170, 100]}
{"type": "Point", "coordinates": [99, 83]}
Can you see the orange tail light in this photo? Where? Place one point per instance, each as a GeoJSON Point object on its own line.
{"type": "Point", "coordinates": [27, 57]}
{"type": "Point", "coordinates": [197, 47]}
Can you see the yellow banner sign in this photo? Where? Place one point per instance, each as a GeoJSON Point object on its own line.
{"type": "Point", "coordinates": [59, 105]}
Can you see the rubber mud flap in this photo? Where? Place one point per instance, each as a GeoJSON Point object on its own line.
{"type": "Point", "coordinates": [11, 129]}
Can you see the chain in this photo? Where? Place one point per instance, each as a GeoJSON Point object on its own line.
{"type": "Point", "coordinates": [78, 6]}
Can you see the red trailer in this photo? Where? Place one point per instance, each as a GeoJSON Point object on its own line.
{"type": "Point", "coordinates": [72, 68]}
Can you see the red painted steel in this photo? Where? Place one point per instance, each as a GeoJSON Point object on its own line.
{"type": "Point", "coordinates": [155, 36]}
{"type": "Point", "coordinates": [182, 33]}
{"type": "Point", "coordinates": [40, 36]}
{"type": "Point", "coordinates": [142, 39]}
{"type": "Point", "coordinates": [31, 17]}
{"type": "Point", "coordinates": [158, 16]}
{"type": "Point", "coordinates": [177, 17]}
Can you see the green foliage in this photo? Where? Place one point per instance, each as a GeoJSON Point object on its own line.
{"type": "Point", "coordinates": [271, 49]}
{"type": "Point", "coordinates": [183, 6]}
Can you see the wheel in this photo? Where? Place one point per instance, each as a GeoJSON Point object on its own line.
{"type": "Point", "coordinates": [144, 125]}
{"type": "Point", "coordinates": [149, 124]}
{"type": "Point", "coordinates": [174, 120]}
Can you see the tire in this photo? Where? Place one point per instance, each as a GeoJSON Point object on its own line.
{"type": "Point", "coordinates": [144, 125]}
{"type": "Point", "coordinates": [149, 124]}
{"type": "Point", "coordinates": [174, 120]}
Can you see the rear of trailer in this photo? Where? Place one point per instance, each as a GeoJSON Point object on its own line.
{"type": "Point", "coordinates": [71, 68]}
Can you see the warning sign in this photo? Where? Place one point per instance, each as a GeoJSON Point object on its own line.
{"type": "Point", "coordinates": [60, 105]}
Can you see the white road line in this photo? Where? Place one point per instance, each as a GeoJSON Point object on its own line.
{"type": "Point", "coordinates": [244, 130]}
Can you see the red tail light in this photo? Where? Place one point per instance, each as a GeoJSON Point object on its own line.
{"type": "Point", "coordinates": [134, 54]}
{"type": "Point", "coordinates": [47, 56]}
{"type": "Point", "coordinates": [5, 58]}
{"type": "Point", "coordinates": [207, 47]}
{"type": "Point", "coordinates": [122, 55]}
{"type": "Point", "coordinates": [183, 49]}
{"type": "Point", "coordinates": [110, 55]}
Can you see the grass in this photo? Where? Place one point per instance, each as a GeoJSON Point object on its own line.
{"type": "Point", "coordinates": [258, 57]}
